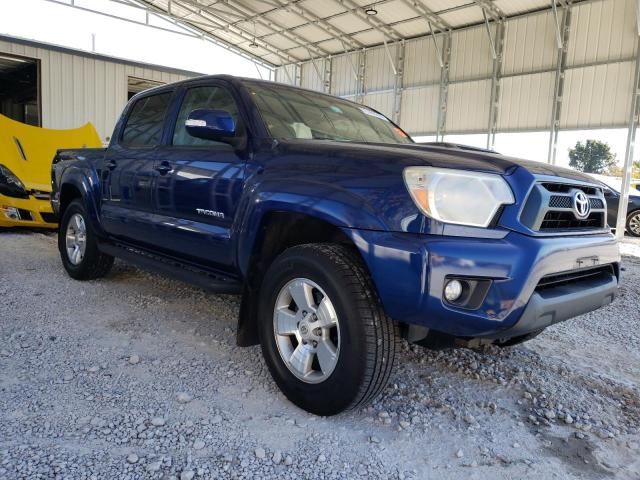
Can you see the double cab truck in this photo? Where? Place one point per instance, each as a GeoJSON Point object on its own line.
{"type": "Point", "coordinates": [341, 234]}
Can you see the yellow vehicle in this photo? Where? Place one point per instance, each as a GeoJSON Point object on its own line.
{"type": "Point", "coordinates": [26, 153]}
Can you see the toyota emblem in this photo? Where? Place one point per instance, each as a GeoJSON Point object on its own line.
{"type": "Point", "coordinates": [581, 206]}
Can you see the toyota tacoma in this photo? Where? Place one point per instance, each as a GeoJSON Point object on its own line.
{"type": "Point", "coordinates": [340, 233]}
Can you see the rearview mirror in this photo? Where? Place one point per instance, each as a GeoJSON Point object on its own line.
{"type": "Point", "coordinates": [210, 124]}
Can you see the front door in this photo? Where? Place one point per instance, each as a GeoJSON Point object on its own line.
{"type": "Point", "coordinates": [199, 184]}
{"type": "Point", "coordinates": [128, 171]}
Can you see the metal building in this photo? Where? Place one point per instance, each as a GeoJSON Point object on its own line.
{"type": "Point", "coordinates": [441, 66]}
{"type": "Point", "coordinates": [56, 87]}
{"type": "Point", "coordinates": [567, 67]}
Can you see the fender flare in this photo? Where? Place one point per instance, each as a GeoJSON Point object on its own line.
{"type": "Point", "coordinates": [86, 182]}
{"type": "Point", "coordinates": [331, 204]}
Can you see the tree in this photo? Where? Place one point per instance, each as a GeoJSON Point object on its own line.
{"type": "Point", "coordinates": [592, 156]}
{"type": "Point", "coordinates": [618, 170]}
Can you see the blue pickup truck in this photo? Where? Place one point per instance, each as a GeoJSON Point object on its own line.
{"type": "Point", "coordinates": [341, 234]}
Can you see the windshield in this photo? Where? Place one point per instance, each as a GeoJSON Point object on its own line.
{"type": "Point", "coordinates": [299, 114]}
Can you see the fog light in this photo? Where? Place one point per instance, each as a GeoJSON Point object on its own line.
{"type": "Point", "coordinates": [452, 290]}
{"type": "Point", "coordinates": [11, 213]}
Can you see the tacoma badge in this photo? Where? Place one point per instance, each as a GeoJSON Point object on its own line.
{"type": "Point", "coordinates": [209, 213]}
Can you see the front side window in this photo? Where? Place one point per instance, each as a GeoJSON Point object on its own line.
{"type": "Point", "coordinates": [211, 98]}
{"type": "Point", "coordinates": [291, 113]}
{"type": "Point", "coordinates": [145, 122]}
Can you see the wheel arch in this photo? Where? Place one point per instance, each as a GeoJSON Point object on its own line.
{"type": "Point", "coordinates": [68, 193]}
{"type": "Point", "coordinates": [630, 214]}
{"type": "Point", "coordinates": [75, 184]}
{"type": "Point", "coordinates": [277, 231]}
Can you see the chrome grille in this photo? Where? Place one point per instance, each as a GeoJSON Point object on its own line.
{"type": "Point", "coordinates": [566, 220]}
{"type": "Point", "coordinates": [568, 187]}
{"type": "Point", "coordinates": [596, 203]}
{"type": "Point", "coordinates": [574, 276]}
{"type": "Point", "coordinates": [550, 208]}
{"type": "Point", "coordinates": [556, 201]}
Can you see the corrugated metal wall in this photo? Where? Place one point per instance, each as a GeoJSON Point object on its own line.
{"type": "Point", "coordinates": [470, 54]}
{"type": "Point", "coordinates": [76, 89]}
{"type": "Point", "coordinates": [530, 44]}
{"type": "Point", "coordinates": [598, 79]}
{"type": "Point", "coordinates": [526, 102]}
{"type": "Point", "coordinates": [313, 74]}
{"type": "Point", "coordinates": [344, 70]}
{"type": "Point", "coordinates": [421, 64]}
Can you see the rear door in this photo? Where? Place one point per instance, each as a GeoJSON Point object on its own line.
{"type": "Point", "coordinates": [128, 172]}
{"type": "Point", "coordinates": [200, 182]}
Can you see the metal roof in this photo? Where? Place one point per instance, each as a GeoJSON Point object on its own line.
{"type": "Point", "coordinates": [280, 32]}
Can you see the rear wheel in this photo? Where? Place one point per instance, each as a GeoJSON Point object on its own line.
{"type": "Point", "coordinates": [633, 223]}
{"type": "Point", "coordinates": [324, 335]}
{"type": "Point", "coordinates": [78, 245]}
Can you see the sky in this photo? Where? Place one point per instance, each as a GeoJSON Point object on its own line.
{"type": "Point", "coordinates": [73, 28]}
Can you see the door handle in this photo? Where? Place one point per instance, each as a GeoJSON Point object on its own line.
{"type": "Point", "coordinates": [163, 168]}
{"type": "Point", "coordinates": [111, 164]}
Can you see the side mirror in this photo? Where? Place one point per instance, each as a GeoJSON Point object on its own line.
{"type": "Point", "coordinates": [207, 124]}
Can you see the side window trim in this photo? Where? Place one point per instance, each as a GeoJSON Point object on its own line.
{"type": "Point", "coordinates": [167, 140]}
{"type": "Point", "coordinates": [127, 115]}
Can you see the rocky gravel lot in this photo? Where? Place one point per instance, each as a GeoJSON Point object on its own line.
{"type": "Point", "coordinates": [135, 376]}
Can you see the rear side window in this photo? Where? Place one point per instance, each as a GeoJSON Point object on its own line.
{"type": "Point", "coordinates": [144, 125]}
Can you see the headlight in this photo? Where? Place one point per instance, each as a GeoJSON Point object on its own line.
{"type": "Point", "coordinates": [10, 185]}
{"type": "Point", "coordinates": [457, 196]}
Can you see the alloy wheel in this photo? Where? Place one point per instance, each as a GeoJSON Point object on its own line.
{"type": "Point", "coordinates": [76, 239]}
{"type": "Point", "coordinates": [306, 329]}
{"type": "Point", "coordinates": [634, 223]}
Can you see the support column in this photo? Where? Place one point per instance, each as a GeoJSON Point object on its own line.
{"type": "Point", "coordinates": [628, 157]}
{"type": "Point", "coordinates": [444, 87]}
{"type": "Point", "coordinates": [327, 74]}
{"type": "Point", "coordinates": [561, 64]}
{"type": "Point", "coordinates": [362, 66]}
{"type": "Point", "coordinates": [494, 103]}
{"type": "Point", "coordinates": [398, 83]}
{"type": "Point", "coordinates": [319, 74]}
{"type": "Point", "coordinates": [287, 74]}
{"type": "Point", "coordinates": [298, 73]}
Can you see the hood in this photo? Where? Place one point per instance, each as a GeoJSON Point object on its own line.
{"type": "Point", "coordinates": [28, 151]}
{"type": "Point", "coordinates": [441, 155]}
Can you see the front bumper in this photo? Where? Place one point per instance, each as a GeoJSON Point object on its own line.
{"type": "Point", "coordinates": [26, 212]}
{"type": "Point", "coordinates": [410, 271]}
{"type": "Point", "coordinates": [565, 302]}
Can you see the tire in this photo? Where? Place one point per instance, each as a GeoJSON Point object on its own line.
{"type": "Point", "coordinates": [363, 339]}
{"type": "Point", "coordinates": [633, 223]}
{"type": "Point", "coordinates": [91, 263]}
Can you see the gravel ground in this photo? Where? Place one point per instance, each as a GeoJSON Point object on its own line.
{"type": "Point", "coordinates": [137, 376]}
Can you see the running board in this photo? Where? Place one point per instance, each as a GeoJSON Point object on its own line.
{"type": "Point", "coordinates": [171, 267]}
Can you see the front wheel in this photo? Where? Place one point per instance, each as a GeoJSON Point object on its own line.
{"type": "Point", "coordinates": [633, 223]}
{"type": "Point", "coordinates": [78, 245]}
{"type": "Point", "coordinates": [324, 334]}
